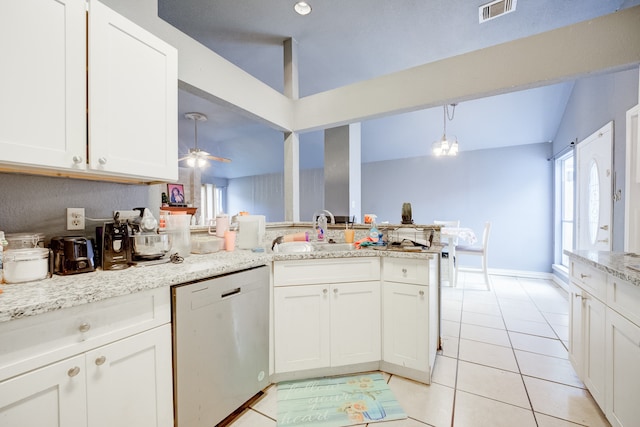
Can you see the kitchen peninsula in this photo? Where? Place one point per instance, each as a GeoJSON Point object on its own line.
{"type": "Point", "coordinates": [105, 336]}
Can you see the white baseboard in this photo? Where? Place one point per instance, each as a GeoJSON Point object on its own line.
{"type": "Point", "coordinates": [559, 276]}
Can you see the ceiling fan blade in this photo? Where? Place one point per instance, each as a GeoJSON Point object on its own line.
{"type": "Point", "coordinates": [183, 158]}
{"type": "Point", "coordinates": [219, 159]}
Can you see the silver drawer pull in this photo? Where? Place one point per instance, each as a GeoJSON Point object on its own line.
{"type": "Point", "coordinates": [583, 276]}
{"type": "Point", "coordinates": [100, 360]}
{"type": "Point", "coordinates": [73, 371]}
{"type": "Point", "coordinates": [76, 159]}
{"type": "Point", "coordinates": [102, 160]}
{"type": "Point", "coordinates": [604, 227]}
{"type": "Point", "coordinates": [421, 293]}
{"type": "Point", "coordinates": [404, 271]}
{"type": "Point", "coordinates": [603, 241]}
{"type": "Point", "coordinates": [324, 291]}
{"type": "Point", "coordinates": [335, 291]}
{"type": "Point", "coordinates": [84, 327]}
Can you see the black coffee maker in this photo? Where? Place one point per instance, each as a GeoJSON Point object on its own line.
{"type": "Point", "coordinates": [72, 255]}
{"type": "Point", "coordinates": [116, 246]}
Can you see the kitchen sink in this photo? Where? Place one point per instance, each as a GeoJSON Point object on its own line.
{"type": "Point", "coordinates": [302, 247]}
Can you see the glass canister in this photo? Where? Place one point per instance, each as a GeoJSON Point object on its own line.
{"type": "Point", "coordinates": [24, 241]}
{"type": "Point", "coordinates": [178, 226]}
{"type": "Point", "coordinates": [25, 265]}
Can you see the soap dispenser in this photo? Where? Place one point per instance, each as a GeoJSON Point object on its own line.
{"type": "Point", "coordinates": [322, 227]}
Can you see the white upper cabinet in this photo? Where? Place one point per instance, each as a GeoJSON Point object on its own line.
{"type": "Point", "coordinates": [43, 84]}
{"type": "Point", "coordinates": [133, 98]}
{"type": "Point", "coordinates": [125, 82]}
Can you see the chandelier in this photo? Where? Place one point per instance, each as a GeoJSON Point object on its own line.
{"type": "Point", "coordinates": [446, 146]}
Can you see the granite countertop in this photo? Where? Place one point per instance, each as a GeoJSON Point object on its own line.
{"type": "Point", "coordinates": [614, 263]}
{"type": "Point", "coordinates": [28, 299]}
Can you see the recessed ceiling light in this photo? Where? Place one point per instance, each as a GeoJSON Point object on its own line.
{"type": "Point", "coordinates": [302, 8]}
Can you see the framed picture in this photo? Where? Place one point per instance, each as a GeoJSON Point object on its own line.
{"type": "Point", "coordinates": [176, 195]}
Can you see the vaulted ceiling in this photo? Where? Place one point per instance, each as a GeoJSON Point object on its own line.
{"type": "Point", "coordinates": [343, 42]}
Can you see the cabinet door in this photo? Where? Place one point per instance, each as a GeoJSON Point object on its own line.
{"type": "Point", "coordinates": [594, 347]}
{"type": "Point", "coordinates": [129, 382]}
{"type": "Point", "coordinates": [406, 325]}
{"type": "Point", "coordinates": [133, 93]}
{"type": "Point", "coordinates": [576, 346]}
{"type": "Point", "coordinates": [53, 396]}
{"type": "Point", "coordinates": [301, 327]}
{"type": "Point", "coordinates": [355, 323]}
{"type": "Point", "coordinates": [622, 371]}
{"type": "Point", "coordinates": [43, 83]}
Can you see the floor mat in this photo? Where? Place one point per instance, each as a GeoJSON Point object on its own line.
{"type": "Point", "coordinates": [337, 401]}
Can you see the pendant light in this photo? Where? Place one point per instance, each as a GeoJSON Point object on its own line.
{"type": "Point", "coordinates": [446, 146]}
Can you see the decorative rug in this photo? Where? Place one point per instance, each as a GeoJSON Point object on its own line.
{"type": "Point", "coordinates": [337, 401]}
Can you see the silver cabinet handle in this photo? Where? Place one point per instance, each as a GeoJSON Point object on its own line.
{"type": "Point", "coordinates": [404, 271]}
{"type": "Point", "coordinates": [100, 360]}
{"type": "Point", "coordinates": [84, 327]}
{"type": "Point", "coordinates": [324, 291]}
{"type": "Point", "coordinates": [421, 293]}
{"type": "Point", "coordinates": [335, 291]}
{"type": "Point", "coordinates": [73, 371]}
{"type": "Point", "coordinates": [603, 241]}
{"type": "Point", "coordinates": [102, 160]}
{"type": "Point", "coordinates": [582, 275]}
{"type": "Point", "coordinates": [77, 159]}
{"type": "Point", "coordinates": [604, 227]}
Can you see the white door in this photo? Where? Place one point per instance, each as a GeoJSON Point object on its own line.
{"type": "Point", "coordinates": [406, 325]}
{"type": "Point", "coordinates": [53, 396]}
{"type": "Point", "coordinates": [355, 323]}
{"type": "Point", "coordinates": [594, 198]}
{"type": "Point", "coordinates": [43, 83]}
{"type": "Point", "coordinates": [632, 181]}
{"type": "Point", "coordinates": [133, 98]}
{"type": "Point", "coordinates": [301, 327]}
{"type": "Point", "coordinates": [129, 381]}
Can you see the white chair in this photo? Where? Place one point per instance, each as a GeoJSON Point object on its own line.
{"type": "Point", "coordinates": [449, 253]}
{"type": "Point", "coordinates": [482, 251]}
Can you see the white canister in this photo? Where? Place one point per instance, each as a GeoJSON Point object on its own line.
{"type": "Point", "coordinates": [222, 224]}
{"type": "Point", "coordinates": [25, 265]}
{"type": "Point", "coordinates": [251, 230]}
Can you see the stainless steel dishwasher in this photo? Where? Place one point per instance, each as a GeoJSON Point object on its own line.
{"type": "Point", "coordinates": [220, 345]}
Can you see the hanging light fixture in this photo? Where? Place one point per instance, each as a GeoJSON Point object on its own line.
{"type": "Point", "coordinates": [446, 147]}
{"type": "Point", "coordinates": [197, 157]}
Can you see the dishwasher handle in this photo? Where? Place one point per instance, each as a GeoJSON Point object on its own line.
{"type": "Point", "coordinates": [230, 293]}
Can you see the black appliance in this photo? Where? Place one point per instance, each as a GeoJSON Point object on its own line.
{"type": "Point", "coordinates": [116, 247]}
{"type": "Point", "coordinates": [72, 255]}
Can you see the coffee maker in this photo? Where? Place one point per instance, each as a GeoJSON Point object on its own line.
{"type": "Point", "coordinates": [72, 255]}
{"type": "Point", "coordinates": [116, 248]}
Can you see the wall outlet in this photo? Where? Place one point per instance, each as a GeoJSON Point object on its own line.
{"type": "Point", "coordinates": [75, 218]}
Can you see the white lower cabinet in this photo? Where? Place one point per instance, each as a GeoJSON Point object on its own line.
{"type": "Point", "coordinates": [318, 326]}
{"type": "Point", "coordinates": [102, 364]}
{"type": "Point", "coordinates": [410, 317]}
{"type": "Point", "coordinates": [604, 341]}
{"type": "Point", "coordinates": [623, 370]}
{"type": "Point", "coordinates": [330, 324]}
{"type": "Point", "coordinates": [53, 396]}
{"type": "Point", "coordinates": [406, 325]}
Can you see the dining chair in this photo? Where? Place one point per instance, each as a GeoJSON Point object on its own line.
{"type": "Point", "coordinates": [482, 251]}
{"type": "Point", "coordinates": [455, 224]}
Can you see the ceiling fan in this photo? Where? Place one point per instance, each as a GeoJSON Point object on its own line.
{"type": "Point", "coordinates": [196, 156]}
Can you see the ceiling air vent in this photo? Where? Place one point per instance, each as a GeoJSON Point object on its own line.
{"type": "Point", "coordinates": [496, 8]}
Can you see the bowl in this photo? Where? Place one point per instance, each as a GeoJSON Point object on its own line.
{"type": "Point", "coordinates": [150, 245]}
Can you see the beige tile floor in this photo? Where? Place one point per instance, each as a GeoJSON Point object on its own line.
{"type": "Point", "coordinates": [504, 363]}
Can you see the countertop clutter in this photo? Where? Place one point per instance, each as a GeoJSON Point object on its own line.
{"type": "Point", "coordinates": [32, 298]}
{"type": "Point", "coordinates": [623, 265]}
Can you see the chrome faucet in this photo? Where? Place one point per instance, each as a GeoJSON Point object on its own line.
{"type": "Point", "coordinates": [315, 217]}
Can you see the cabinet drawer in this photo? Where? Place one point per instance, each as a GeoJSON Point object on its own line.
{"type": "Point", "coordinates": [315, 271]}
{"type": "Point", "coordinates": [34, 341]}
{"type": "Point", "coordinates": [414, 271]}
{"type": "Point", "coordinates": [590, 279]}
{"type": "Point", "coordinates": [624, 298]}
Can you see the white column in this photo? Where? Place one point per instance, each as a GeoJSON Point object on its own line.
{"type": "Point", "coordinates": [291, 139]}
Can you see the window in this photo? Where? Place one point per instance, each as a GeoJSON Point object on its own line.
{"type": "Point", "coordinates": [212, 199]}
{"type": "Point", "coordinates": [564, 207]}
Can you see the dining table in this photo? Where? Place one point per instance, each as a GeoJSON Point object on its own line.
{"type": "Point", "coordinates": [453, 234]}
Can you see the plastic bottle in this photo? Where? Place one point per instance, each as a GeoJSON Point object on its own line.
{"type": "Point", "coordinates": [322, 227]}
